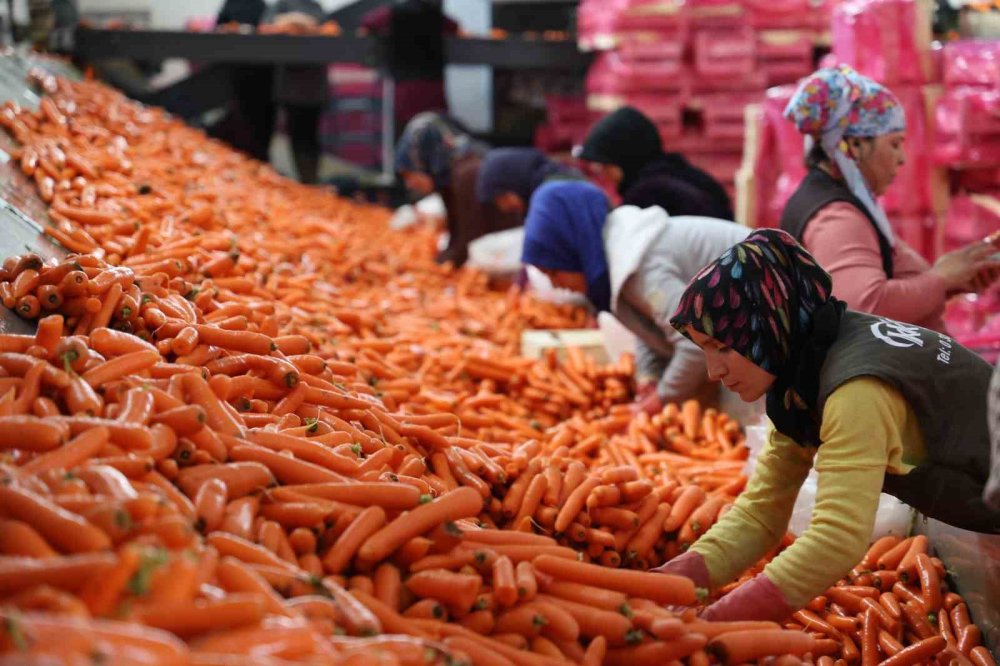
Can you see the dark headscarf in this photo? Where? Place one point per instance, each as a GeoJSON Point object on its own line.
{"type": "Point", "coordinates": [768, 299]}
{"type": "Point", "coordinates": [630, 141]}
{"type": "Point", "coordinates": [517, 170]}
{"type": "Point", "coordinates": [564, 231]}
{"type": "Point", "coordinates": [625, 138]}
{"type": "Point", "coordinates": [430, 144]}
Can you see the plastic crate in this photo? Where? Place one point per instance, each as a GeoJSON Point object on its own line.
{"type": "Point", "coordinates": [605, 24]}
{"type": "Point", "coordinates": [972, 62]}
{"type": "Point", "coordinates": [967, 222]}
{"type": "Point", "coordinates": [788, 14]}
{"type": "Point", "coordinates": [725, 53]}
{"type": "Point", "coordinates": [967, 123]}
{"type": "Point", "coordinates": [882, 39]}
{"type": "Point", "coordinates": [610, 74]}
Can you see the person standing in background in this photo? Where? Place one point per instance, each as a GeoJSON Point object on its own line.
{"type": "Point", "coordinates": [300, 90]}
{"type": "Point", "coordinates": [413, 33]}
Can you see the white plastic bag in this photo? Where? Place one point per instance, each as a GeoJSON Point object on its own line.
{"type": "Point", "coordinates": [542, 286]}
{"type": "Point", "coordinates": [893, 516]}
{"type": "Point", "coordinates": [618, 340]}
{"type": "Point", "coordinates": [430, 208]}
{"type": "Point", "coordinates": [497, 253]}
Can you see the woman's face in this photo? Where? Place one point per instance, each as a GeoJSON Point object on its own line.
{"type": "Point", "coordinates": [509, 203]}
{"type": "Point", "coordinates": [418, 182]}
{"type": "Point", "coordinates": [879, 158]}
{"type": "Point", "coordinates": [604, 172]}
{"type": "Point", "coordinates": [735, 371]}
{"type": "Point", "coordinates": [571, 280]}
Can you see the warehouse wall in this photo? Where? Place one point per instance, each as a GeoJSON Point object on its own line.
{"type": "Point", "coordinates": [469, 88]}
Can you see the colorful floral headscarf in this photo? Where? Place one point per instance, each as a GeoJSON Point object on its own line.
{"type": "Point", "coordinates": [837, 102]}
{"type": "Point", "coordinates": [767, 299]}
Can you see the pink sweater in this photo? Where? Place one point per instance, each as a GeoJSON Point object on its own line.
{"type": "Point", "coordinates": [845, 244]}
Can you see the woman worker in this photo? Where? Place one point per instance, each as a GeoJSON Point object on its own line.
{"type": "Point", "coordinates": [626, 148]}
{"type": "Point", "coordinates": [437, 154]}
{"type": "Point", "coordinates": [874, 404]}
{"type": "Point", "coordinates": [634, 263]}
{"type": "Point", "coordinates": [855, 130]}
{"type": "Point", "coordinates": [509, 176]}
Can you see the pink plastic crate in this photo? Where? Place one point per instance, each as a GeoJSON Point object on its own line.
{"type": "Point", "coordinates": [725, 53]}
{"type": "Point", "coordinates": [967, 123]}
{"type": "Point", "coordinates": [610, 74]}
{"type": "Point", "coordinates": [717, 14]}
{"type": "Point", "coordinates": [787, 14]}
{"type": "Point", "coordinates": [973, 62]}
{"type": "Point", "coordinates": [755, 81]}
{"type": "Point", "coordinates": [784, 61]}
{"type": "Point", "coordinates": [967, 222]}
{"type": "Point", "coordinates": [616, 21]}
{"type": "Point", "coordinates": [878, 38]}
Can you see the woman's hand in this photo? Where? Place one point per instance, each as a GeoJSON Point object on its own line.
{"type": "Point", "coordinates": [960, 268]}
{"type": "Point", "coordinates": [757, 599]}
{"type": "Point", "coordinates": [647, 399]}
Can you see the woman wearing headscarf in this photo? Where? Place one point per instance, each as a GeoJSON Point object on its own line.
{"type": "Point", "coordinates": [854, 132]}
{"type": "Point", "coordinates": [626, 147]}
{"type": "Point", "coordinates": [634, 263]}
{"type": "Point", "coordinates": [437, 154]}
{"type": "Point", "coordinates": [509, 176]}
{"type": "Point", "coordinates": [875, 405]}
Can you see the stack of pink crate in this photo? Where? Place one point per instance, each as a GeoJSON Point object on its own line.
{"type": "Point", "coordinates": [693, 66]}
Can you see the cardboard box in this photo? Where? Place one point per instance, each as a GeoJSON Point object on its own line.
{"type": "Point", "coordinates": [590, 341]}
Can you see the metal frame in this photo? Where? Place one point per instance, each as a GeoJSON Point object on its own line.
{"type": "Point", "coordinates": [512, 53]}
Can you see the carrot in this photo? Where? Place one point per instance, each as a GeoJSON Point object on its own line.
{"type": "Point", "coordinates": [368, 522]}
{"type": "Point", "coordinates": [457, 591]}
{"type": "Point", "coordinates": [980, 656]}
{"type": "Point", "coordinates": [917, 652]}
{"type": "Point", "coordinates": [869, 639]}
{"type": "Point", "coordinates": [31, 433]}
{"type": "Point", "coordinates": [63, 529]}
{"type": "Point", "coordinates": [892, 557]}
{"type": "Point", "coordinates": [691, 497]}
{"type": "Point", "coordinates": [527, 584]}
{"type": "Point", "coordinates": [879, 548]}
{"type": "Point", "coordinates": [216, 415]}
{"type": "Point", "coordinates": [908, 565]}
{"type": "Point", "coordinates": [191, 618]}
{"type": "Point", "coordinates": [481, 655]}
{"type": "Point", "coordinates": [68, 572]}
{"type": "Point", "coordinates": [504, 583]}
{"type": "Point", "coordinates": [651, 654]}
{"type": "Point", "coordinates": [20, 538]}
{"type": "Point", "coordinates": [458, 503]}
{"type": "Point", "coordinates": [662, 588]}
{"type": "Point", "coordinates": [930, 583]}
{"type": "Point", "coordinates": [741, 646]}
{"type": "Point", "coordinates": [574, 503]}
{"type": "Point", "coordinates": [210, 504]}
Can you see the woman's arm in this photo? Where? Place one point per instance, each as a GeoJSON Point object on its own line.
{"type": "Point", "coordinates": [649, 365]}
{"type": "Point", "coordinates": [845, 244]}
{"type": "Point", "coordinates": [862, 422]}
{"type": "Point", "coordinates": [759, 518]}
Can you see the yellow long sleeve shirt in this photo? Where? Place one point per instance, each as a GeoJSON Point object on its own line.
{"type": "Point", "coordinates": [868, 430]}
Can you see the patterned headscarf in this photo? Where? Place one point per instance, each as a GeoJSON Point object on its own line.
{"type": "Point", "coordinates": [837, 102]}
{"type": "Point", "coordinates": [430, 144]}
{"type": "Point", "coordinates": [767, 299]}
{"type": "Point", "coordinates": [564, 231]}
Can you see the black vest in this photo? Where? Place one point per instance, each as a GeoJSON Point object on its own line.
{"type": "Point", "coordinates": [946, 386]}
{"type": "Point", "coordinates": [817, 190]}
{"type": "Point", "coordinates": [414, 49]}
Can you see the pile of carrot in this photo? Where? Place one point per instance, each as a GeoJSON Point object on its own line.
{"type": "Point", "coordinates": [255, 426]}
{"type": "Point", "coordinates": [895, 608]}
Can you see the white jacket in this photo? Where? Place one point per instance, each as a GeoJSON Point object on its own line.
{"type": "Point", "coordinates": [651, 258]}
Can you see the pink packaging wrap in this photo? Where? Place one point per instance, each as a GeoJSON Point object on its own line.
{"type": "Point", "coordinates": [972, 62]}
{"type": "Point", "coordinates": [780, 158]}
{"type": "Point", "coordinates": [878, 38]}
{"type": "Point", "coordinates": [967, 123]}
{"type": "Point", "coordinates": [968, 222]}
{"type": "Point", "coordinates": [610, 74]}
{"type": "Point", "coordinates": [725, 53]}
